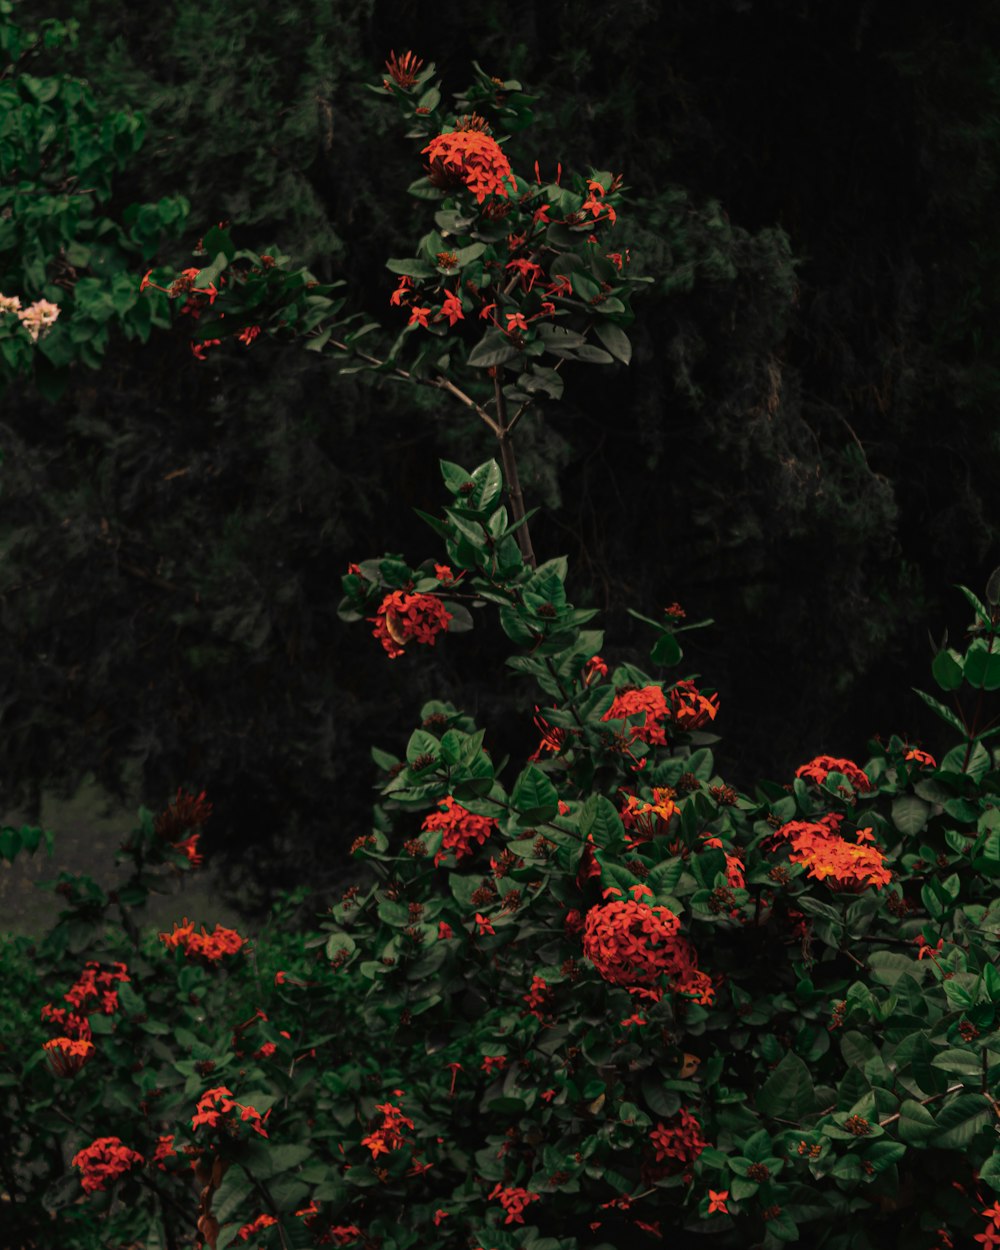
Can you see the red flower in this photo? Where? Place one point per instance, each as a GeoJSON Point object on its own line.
{"type": "Point", "coordinates": [634, 945]}
{"type": "Point", "coordinates": [404, 70]}
{"type": "Point", "coordinates": [388, 1136]}
{"type": "Point", "coordinates": [67, 1055]}
{"type": "Point", "coordinates": [514, 1201]}
{"type": "Point", "coordinates": [439, 1215]}
{"type": "Point", "coordinates": [493, 1061]}
{"type": "Point", "coordinates": [689, 708]}
{"type": "Point", "coordinates": [210, 946]}
{"type": "Point", "coordinates": [527, 271]}
{"type": "Point", "coordinates": [515, 321]}
{"type": "Point", "coordinates": [404, 618]}
{"type": "Point", "coordinates": [248, 335]}
{"type": "Point", "coordinates": [470, 157]}
{"type": "Point", "coordinates": [256, 1226]}
{"type": "Point", "coordinates": [484, 925]}
{"type": "Point", "coordinates": [915, 756]}
{"type": "Point", "coordinates": [831, 857]}
{"type": "Point", "coordinates": [445, 931]}
{"type": "Point", "coordinates": [717, 1201]}
{"type": "Point", "coordinates": [452, 308]}
{"type": "Point", "coordinates": [681, 1140]}
{"type": "Point", "coordinates": [595, 667]}
{"type": "Point", "coordinates": [635, 701]}
{"type": "Point", "coordinates": [189, 848]}
{"type": "Point", "coordinates": [418, 316]}
{"type": "Point", "coordinates": [399, 294]}
{"type": "Point", "coordinates": [820, 768]}
{"type": "Point", "coordinates": [186, 812]}
{"type": "Point", "coordinates": [462, 831]}
{"type": "Point", "coordinates": [104, 1160]}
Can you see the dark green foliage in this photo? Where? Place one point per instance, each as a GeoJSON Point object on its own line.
{"type": "Point", "coordinates": [802, 442]}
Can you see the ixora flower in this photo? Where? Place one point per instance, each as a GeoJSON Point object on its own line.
{"type": "Point", "coordinates": [404, 618]}
{"type": "Point", "coordinates": [822, 766]}
{"type": "Point", "coordinates": [104, 1160]}
{"type": "Point", "coordinates": [403, 70]}
{"type": "Point", "coordinates": [216, 1104]}
{"type": "Point", "coordinates": [389, 1135]}
{"type": "Point", "coordinates": [682, 1140]}
{"type": "Point", "coordinates": [67, 1055]}
{"type": "Point", "coordinates": [514, 1201]}
{"type": "Point", "coordinates": [187, 811]}
{"type": "Point", "coordinates": [829, 856]}
{"type": "Point", "coordinates": [635, 945]}
{"type": "Point", "coordinates": [643, 820]}
{"type": "Point", "coordinates": [689, 708]}
{"type": "Point", "coordinates": [472, 158]}
{"type": "Point", "coordinates": [635, 700]}
{"type": "Point", "coordinates": [210, 946]}
{"type": "Point", "coordinates": [462, 831]}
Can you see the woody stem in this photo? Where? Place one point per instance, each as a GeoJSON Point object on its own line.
{"type": "Point", "coordinates": [511, 477]}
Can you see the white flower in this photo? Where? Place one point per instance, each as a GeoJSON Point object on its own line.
{"type": "Point", "coordinates": [38, 318]}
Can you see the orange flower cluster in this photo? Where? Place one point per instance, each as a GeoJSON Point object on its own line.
{"type": "Point", "coordinates": [403, 618]}
{"type": "Point", "coordinates": [514, 1201]}
{"type": "Point", "coordinates": [470, 157]}
{"type": "Point", "coordinates": [216, 1103]}
{"type": "Point", "coordinates": [829, 856]}
{"type": "Point", "coordinates": [922, 759]}
{"type": "Point", "coordinates": [643, 819]}
{"type": "Point", "coordinates": [66, 1055]}
{"type": "Point", "coordinates": [462, 830]}
{"type": "Point", "coordinates": [104, 1160]}
{"type": "Point", "coordinates": [689, 708]}
{"type": "Point", "coordinates": [256, 1226]}
{"type": "Point", "coordinates": [210, 946]}
{"type": "Point", "coordinates": [93, 991]}
{"type": "Point", "coordinates": [681, 1140]}
{"type": "Point", "coordinates": [822, 766]}
{"type": "Point", "coordinates": [635, 701]}
{"type": "Point", "coordinates": [633, 945]}
{"type": "Point", "coordinates": [389, 1135]}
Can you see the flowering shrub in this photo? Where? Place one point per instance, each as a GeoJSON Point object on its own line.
{"type": "Point", "coordinates": [603, 998]}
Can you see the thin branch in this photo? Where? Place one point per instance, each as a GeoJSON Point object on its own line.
{"type": "Point", "coordinates": [441, 383]}
{"type": "Point", "coordinates": [952, 1089]}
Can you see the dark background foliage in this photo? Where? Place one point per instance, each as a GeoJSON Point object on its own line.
{"type": "Point", "coordinates": [804, 448]}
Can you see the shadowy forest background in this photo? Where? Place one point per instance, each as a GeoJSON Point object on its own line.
{"type": "Point", "coordinates": [806, 446]}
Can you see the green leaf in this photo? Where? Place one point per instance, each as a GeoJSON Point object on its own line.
{"type": "Point", "coordinates": [615, 340]}
{"type": "Point", "coordinates": [947, 669]}
{"type": "Point", "coordinates": [909, 814]}
{"type": "Point", "coordinates": [916, 1124]}
{"type": "Point", "coordinates": [666, 651]}
{"type": "Point", "coordinates": [788, 1093]}
{"type": "Point", "coordinates": [494, 348]}
{"type": "Point", "coordinates": [535, 798]}
{"type": "Point", "coordinates": [593, 355]}
{"type": "Point", "coordinates": [982, 665]}
{"type": "Point", "coordinates": [945, 713]}
{"type": "Point", "coordinates": [961, 1120]}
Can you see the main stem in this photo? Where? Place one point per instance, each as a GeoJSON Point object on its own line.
{"type": "Point", "coordinates": [509, 462]}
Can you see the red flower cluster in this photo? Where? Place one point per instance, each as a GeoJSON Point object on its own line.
{"type": "Point", "coordinates": [256, 1226]}
{"type": "Point", "coordinates": [470, 157]}
{"type": "Point", "coordinates": [388, 1136]}
{"type": "Point", "coordinates": [462, 831]}
{"type": "Point", "coordinates": [829, 856]}
{"type": "Point", "coordinates": [216, 1103]}
{"type": "Point", "coordinates": [210, 946]}
{"type": "Point", "coordinates": [514, 1201]}
{"type": "Point", "coordinates": [66, 1055]}
{"type": "Point", "coordinates": [643, 819]}
{"type": "Point", "coordinates": [93, 991]}
{"type": "Point", "coordinates": [633, 945]}
{"type": "Point", "coordinates": [104, 1160]}
{"type": "Point", "coordinates": [823, 765]}
{"type": "Point", "coordinates": [635, 701]}
{"type": "Point", "coordinates": [689, 708]}
{"type": "Point", "coordinates": [681, 1140]}
{"type": "Point", "coordinates": [403, 618]}
{"type": "Point", "coordinates": [538, 997]}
